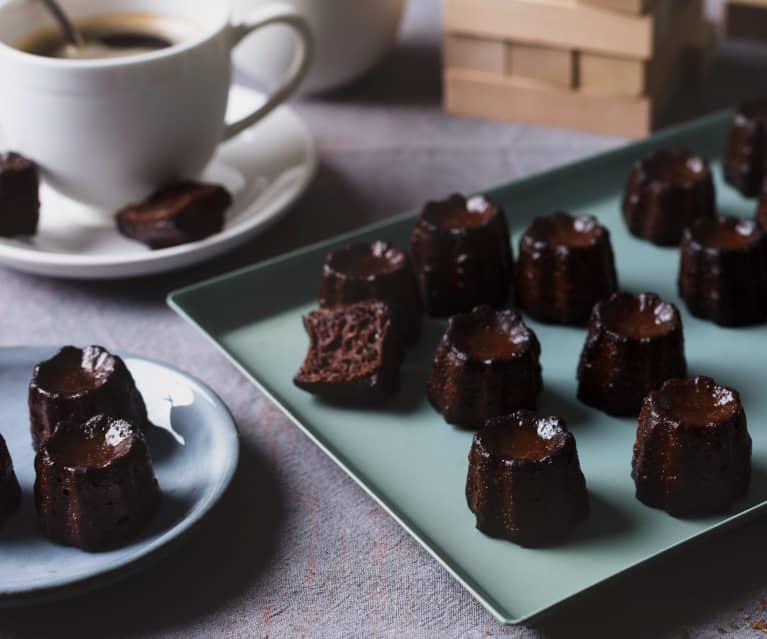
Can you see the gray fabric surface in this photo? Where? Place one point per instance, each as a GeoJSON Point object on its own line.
{"type": "Point", "coordinates": [296, 548]}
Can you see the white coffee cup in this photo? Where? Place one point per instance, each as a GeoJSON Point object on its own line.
{"type": "Point", "coordinates": [110, 131]}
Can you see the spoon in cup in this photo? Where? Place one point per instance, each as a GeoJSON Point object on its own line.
{"type": "Point", "coordinates": [71, 33]}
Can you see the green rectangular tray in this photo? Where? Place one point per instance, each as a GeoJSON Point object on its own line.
{"type": "Point", "coordinates": [414, 464]}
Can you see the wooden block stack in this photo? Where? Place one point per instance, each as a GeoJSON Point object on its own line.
{"type": "Point", "coordinates": [747, 19]}
{"type": "Point", "coordinates": [605, 66]}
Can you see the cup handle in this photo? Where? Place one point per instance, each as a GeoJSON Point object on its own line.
{"type": "Point", "coordinates": [277, 13]}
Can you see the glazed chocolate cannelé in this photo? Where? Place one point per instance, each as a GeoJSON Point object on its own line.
{"type": "Point", "coordinates": [354, 353]}
{"type": "Point", "coordinates": [10, 492]}
{"type": "Point", "coordinates": [19, 195]}
{"type": "Point", "coordinates": [634, 344]}
{"type": "Point", "coordinates": [525, 482]}
{"type": "Point", "coordinates": [665, 192]}
{"type": "Point", "coordinates": [76, 384]}
{"type": "Point", "coordinates": [180, 213]}
{"type": "Point", "coordinates": [744, 161]}
{"type": "Point", "coordinates": [365, 271]}
{"type": "Point", "coordinates": [462, 255]}
{"type": "Point", "coordinates": [761, 211]}
{"type": "Point", "coordinates": [565, 266]}
{"type": "Point", "coordinates": [95, 487]}
{"type": "Point", "coordinates": [692, 454]}
{"type": "Point", "coordinates": [723, 271]}
{"type": "Point", "coordinates": [486, 365]}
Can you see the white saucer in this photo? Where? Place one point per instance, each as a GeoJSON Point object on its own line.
{"type": "Point", "coordinates": [266, 168]}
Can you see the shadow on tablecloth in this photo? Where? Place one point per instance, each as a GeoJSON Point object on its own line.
{"type": "Point", "coordinates": [223, 555]}
{"type": "Point", "coordinates": [715, 582]}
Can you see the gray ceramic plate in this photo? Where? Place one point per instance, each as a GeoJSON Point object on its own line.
{"type": "Point", "coordinates": [409, 460]}
{"type": "Point", "coordinates": [194, 449]}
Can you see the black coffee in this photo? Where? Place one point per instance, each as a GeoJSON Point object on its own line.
{"type": "Point", "coordinates": [110, 36]}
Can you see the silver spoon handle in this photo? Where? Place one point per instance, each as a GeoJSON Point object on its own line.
{"type": "Point", "coordinates": [69, 29]}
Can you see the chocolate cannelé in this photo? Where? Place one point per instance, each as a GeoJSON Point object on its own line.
{"type": "Point", "coordinates": [744, 161]}
{"type": "Point", "coordinates": [525, 482]}
{"type": "Point", "coordinates": [376, 270]}
{"type": "Point", "coordinates": [177, 214]}
{"type": "Point", "coordinates": [19, 195]}
{"type": "Point", "coordinates": [462, 254]}
{"type": "Point", "coordinates": [95, 488]}
{"type": "Point", "coordinates": [565, 266]}
{"type": "Point", "coordinates": [634, 344]}
{"type": "Point", "coordinates": [486, 365]}
{"type": "Point", "coordinates": [723, 271]}
{"type": "Point", "coordinates": [76, 384]}
{"type": "Point", "coordinates": [354, 353]}
{"type": "Point", "coordinates": [692, 454]}
{"type": "Point", "coordinates": [665, 192]}
{"type": "Point", "coordinates": [10, 492]}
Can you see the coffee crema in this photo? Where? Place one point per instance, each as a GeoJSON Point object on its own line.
{"type": "Point", "coordinates": [111, 36]}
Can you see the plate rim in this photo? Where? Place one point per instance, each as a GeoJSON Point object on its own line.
{"type": "Point", "coordinates": [164, 542]}
{"type": "Point", "coordinates": [37, 261]}
{"type": "Point", "coordinates": [175, 300]}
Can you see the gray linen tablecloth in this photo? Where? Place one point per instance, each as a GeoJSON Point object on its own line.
{"type": "Point", "coordinates": [296, 548]}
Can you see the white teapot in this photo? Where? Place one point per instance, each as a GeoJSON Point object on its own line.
{"type": "Point", "coordinates": [350, 36]}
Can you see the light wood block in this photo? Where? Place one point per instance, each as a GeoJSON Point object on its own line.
{"type": "Point", "coordinates": [627, 6]}
{"type": "Point", "coordinates": [613, 75]}
{"type": "Point", "coordinates": [608, 75]}
{"type": "Point", "coordinates": [477, 54]}
{"type": "Point", "coordinates": [486, 95]}
{"type": "Point", "coordinates": [747, 20]}
{"type": "Point", "coordinates": [560, 23]}
{"type": "Point", "coordinates": [547, 65]}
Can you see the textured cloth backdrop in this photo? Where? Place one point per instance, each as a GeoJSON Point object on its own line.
{"type": "Point", "coordinates": [296, 548]}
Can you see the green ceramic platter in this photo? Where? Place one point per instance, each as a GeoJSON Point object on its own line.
{"type": "Point", "coordinates": [414, 464]}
